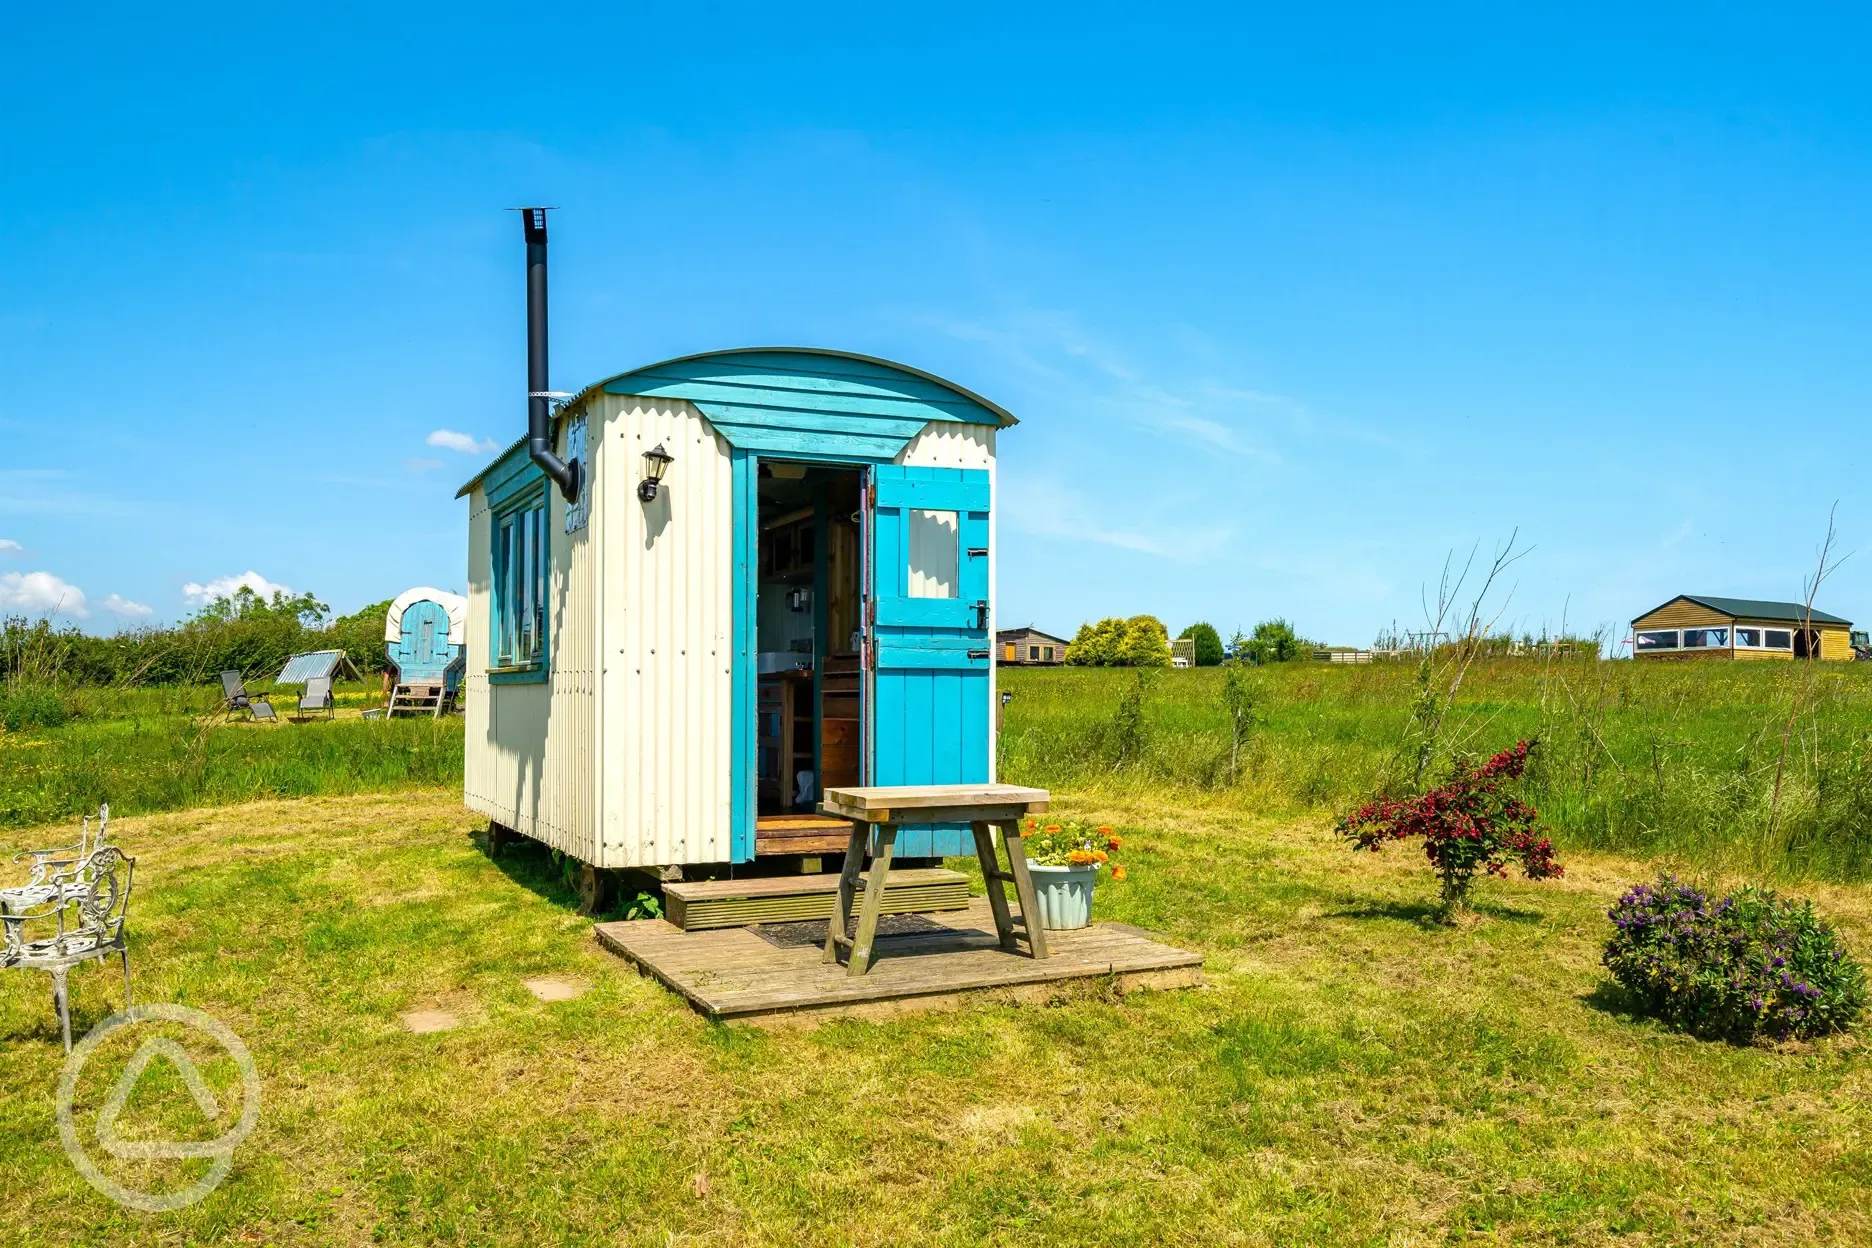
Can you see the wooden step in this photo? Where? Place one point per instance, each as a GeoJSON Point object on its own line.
{"type": "Point", "coordinates": [797, 898]}
{"type": "Point", "coordinates": [802, 833]}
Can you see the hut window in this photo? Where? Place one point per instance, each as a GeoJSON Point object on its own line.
{"type": "Point", "coordinates": [1779, 639]}
{"type": "Point", "coordinates": [520, 554]}
{"type": "Point", "coordinates": [1665, 640]}
{"type": "Point", "coordinates": [935, 554]}
{"type": "Point", "coordinates": [1749, 638]}
{"type": "Point", "coordinates": [1705, 638]}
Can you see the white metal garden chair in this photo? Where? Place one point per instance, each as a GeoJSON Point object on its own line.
{"type": "Point", "coordinates": [82, 922]}
{"type": "Point", "coordinates": [47, 863]}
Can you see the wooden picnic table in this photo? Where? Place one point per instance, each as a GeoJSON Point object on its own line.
{"type": "Point", "coordinates": [982, 806]}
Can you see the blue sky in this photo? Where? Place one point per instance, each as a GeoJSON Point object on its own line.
{"type": "Point", "coordinates": [1290, 305]}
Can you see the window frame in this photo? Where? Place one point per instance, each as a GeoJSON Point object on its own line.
{"type": "Point", "coordinates": [1785, 632]}
{"type": "Point", "coordinates": [1683, 637]}
{"type": "Point", "coordinates": [1676, 636]}
{"type": "Point", "coordinates": [508, 516]}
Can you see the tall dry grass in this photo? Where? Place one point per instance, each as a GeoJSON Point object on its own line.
{"type": "Point", "coordinates": [1668, 760]}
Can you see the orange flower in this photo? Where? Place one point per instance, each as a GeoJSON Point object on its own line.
{"type": "Point", "coordinates": [1113, 842]}
{"type": "Point", "coordinates": [1080, 858]}
{"type": "Point", "coordinates": [1032, 824]}
{"type": "Point", "coordinates": [1052, 827]}
{"type": "Point", "coordinates": [1101, 855]}
{"type": "Point", "coordinates": [1118, 873]}
{"type": "Point", "coordinates": [1106, 830]}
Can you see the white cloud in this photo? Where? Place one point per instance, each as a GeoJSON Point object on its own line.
{"type": "Point", "coordinates": [116, 604]}
{"type": "Point", "coordinates": [198, 595]}
{"type": "Point", "coordinates": [41, 593]}
{"type": "Point", "coordinates": [10, 547]}
{"type": "Point", "coordinates": [466, 443]}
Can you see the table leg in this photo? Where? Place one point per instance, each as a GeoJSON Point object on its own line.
{"type": "Point", "coordinates": [848, 883]}
{"type": "Point", "coordinates": [992, 876]}
{"type": "Point", "coordinates": [1024, 890]}
{"type": "Point", "coordinates": [873, 900]}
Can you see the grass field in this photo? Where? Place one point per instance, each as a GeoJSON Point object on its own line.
{"type": "Point", "coordinates": [146, 750]}
{"type": "Point", "coordinates": [1667, 760]}
{"type": "Point", "coordinates": [1675, 762]}
{"type": "Point", "coordinates": [1355, 1074]}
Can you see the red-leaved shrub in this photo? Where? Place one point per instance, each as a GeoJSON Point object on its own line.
{"type": "Point", "coordinates": [1469, 824]}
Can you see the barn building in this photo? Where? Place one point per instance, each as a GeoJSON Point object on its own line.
{"type": "Point", "coordinates": [1703, 626]}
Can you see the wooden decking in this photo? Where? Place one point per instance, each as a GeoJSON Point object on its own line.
{"type": "Point", "coordinates": [763, 974]}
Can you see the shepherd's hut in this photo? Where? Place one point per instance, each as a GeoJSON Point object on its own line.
{"type": "Point", "coordinates": [701, 592]}
{"type": "Point", "coordinates": [425, 649]}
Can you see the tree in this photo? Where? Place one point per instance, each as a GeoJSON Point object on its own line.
{"type": "Point", "coordinates": [1470, 824]}
{"type": "Point", "coordinates": [1146, 643]}
{"type": "Point", "coordinates": [1275, 641]}
{"type": "Point", "coordinates": [1140, 641]}
{"type": "Point", "coordinates": [1208, 643]}
{"type": "Point", "coordinates": [1241, 702]}
{"type": "Point", "coordinates": [1095, 645]}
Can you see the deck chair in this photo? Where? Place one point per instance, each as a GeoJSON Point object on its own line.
{"type": "Point", "coordinates": [235, 699]}
{"type": "Point", "coordinates": [83, 923]}
{"type": "Point", "coordinates": [318, 697]}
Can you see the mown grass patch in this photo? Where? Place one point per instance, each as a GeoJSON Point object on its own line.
{"type": "Point", "coordinates": [1355, 1073]}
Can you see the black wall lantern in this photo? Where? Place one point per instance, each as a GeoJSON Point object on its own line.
{"type": "Point", "coordinates": [656, 463]}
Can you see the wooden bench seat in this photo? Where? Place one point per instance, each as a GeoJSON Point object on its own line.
{"type": "Point", "coordinates": [693, 906]}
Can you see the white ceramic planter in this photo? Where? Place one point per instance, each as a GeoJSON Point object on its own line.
{"type": "Point", "coordinates": [1064, 895]}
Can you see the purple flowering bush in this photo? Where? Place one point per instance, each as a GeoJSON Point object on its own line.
{"type": "Point", "coordinates": [1732, 969]}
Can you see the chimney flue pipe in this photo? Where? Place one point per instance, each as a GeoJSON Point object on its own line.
{"type": "Point", "coordinates": [568, 476]}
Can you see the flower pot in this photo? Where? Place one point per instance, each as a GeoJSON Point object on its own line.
{"type": "Point", "coordinates": [1064, 895]}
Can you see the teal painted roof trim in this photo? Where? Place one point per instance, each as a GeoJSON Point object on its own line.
{"type": "Point", "coordinates": [807, 400]}
{"type": "Point", "coordinates": [511, 470]}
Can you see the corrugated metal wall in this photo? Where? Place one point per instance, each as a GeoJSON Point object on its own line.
{"type": "Point", "coordinates": [667, 611]}
{"type": "Point", "coordinates": [625, 757]}
{"type": "Point", "coordinates": [531, 751]}
{"type": "Point", "coordinates": [953, 445]}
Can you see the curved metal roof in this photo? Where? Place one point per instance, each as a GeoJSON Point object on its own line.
{"type": "Point", "coordinates": [773, 399]}
{"type": "Point", "coordinates": [1002, 416]}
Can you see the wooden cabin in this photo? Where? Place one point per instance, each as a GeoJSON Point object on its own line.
{"type": "Point", "coordinates": [1029, 647]}
{"type": "Point", "coordinates": [776, 577]}
{"type": "Point", "coordinates": [1706, 627]}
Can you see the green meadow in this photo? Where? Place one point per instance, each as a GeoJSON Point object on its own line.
{"type": "Point", "coordinates": [150, 749]}
{"type": "Point", "coordinates": [1354, 1073]}
{"type": "Point", "coordinates": [1668, 760]}
{"type": "Point", "coordinates": [1672, 761]}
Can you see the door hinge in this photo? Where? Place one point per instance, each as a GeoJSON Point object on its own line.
{"type": "Point", "coordinates": [871, 610]}
{"type": "Point", "coordinates": [978, 552]}
{"type": "Point", "coordinates": [981, 613]}
{"type": "Point", "coordinates": [978, 654]}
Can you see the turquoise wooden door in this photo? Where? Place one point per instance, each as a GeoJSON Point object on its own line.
{"type": "Point", "coordinates": [930, 660]}
{"type": "Point", "coordinates": [422, 652]}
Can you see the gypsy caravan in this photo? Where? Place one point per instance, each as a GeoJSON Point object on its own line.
{"type": "Point", "coordinates": [425, 649]}
{"type": "Point", "coordinates": [701, 592]}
